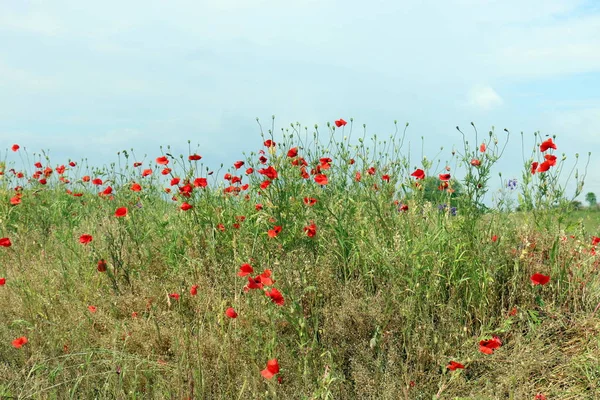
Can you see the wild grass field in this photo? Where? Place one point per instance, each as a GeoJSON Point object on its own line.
{"type": "Point", "coordinates": [321, 266]}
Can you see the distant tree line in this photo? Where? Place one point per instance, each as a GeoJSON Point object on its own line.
{"type": "Point", "coordinates": [591, 199]}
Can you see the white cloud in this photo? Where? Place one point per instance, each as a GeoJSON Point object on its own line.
{"type": "Point", "coordinates": [31, 22]}
{"type": "Point", "coordinates": [582, 122]}
{"type": "Point", "coordinates": [21, 79]}
{"type": "Point", "coordinates": [484, 97]}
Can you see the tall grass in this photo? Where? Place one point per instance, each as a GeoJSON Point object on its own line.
{"type": "Point", "coordinates": [384, 279]}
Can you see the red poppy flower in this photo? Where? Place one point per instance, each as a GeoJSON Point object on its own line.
{"type": "Point", "coordinates": [385, 178]}
{"type": "Point", "coordinates": [165, 171]}
{"type": "Point", "coordinates": [299, 162]}
{"type": "Point", "coordinates": [269, 172]}
{"type": "Point", "coordinates": [454, 366]}
{"type": "Point", "coordinates": [194, 290]}
{"type": "Point", "coordinates": [371, 171]}
{"type": "Point", "coordinates": [265, 278]}
{"type": "Point", "coordinates": [274, 232]}
{"type": "Point", "coordinates": [269, 143]}
{"type": "Point", "coordinates": [258, 207]}
{"type": "Point", "coordinates": [60, 169]}
{"type": "Point", "coordinates": [249, 171]}
{"type": "Point", "coordinates": [245, 269]}
{"type": "Point", "coordinates": [174, 296]}
{"type": "Point", "coordinates": [175, 181]}
{"type": "Point", "coordinates": [325, 163]}
{"type": "Point", "coordinates": [200, 182]}
{"type": "Point", "coordinates": [96, 181]}
{"type": "Point", "coordinates": [321, 179]}
{"type": "Point", "coordinates": [136, 187]}
{"type": "Point", "coordinates": [92, 309]}
{"type": "Point", "coordinates": [539, 279]}
{"type": "Point", "coordinates": [194, 157]}
{"type": "Point", "coordinates": [304, 173]}
{"type": "Point", "coordinates": [146, 172]}
{"type": "Point", "coordinates": [444, 177]}
{"type": "Point", "coordinates": [186, 190]}
{"type": "Point", "coordinates": [106, 191]}
{"type": "Point", "coordinates": [16, 200]}
{"type": "Point", "coordinates": [488, 346]}
{"type": "Point", "coordinates": [548, 144]}
{"type": "Point", "coordinates": [121, 212]}
{"type": "Point", "coordinates": [482, 148]}
{"type": "Point", "coordinates": [550, 159]}
{"type": "Point", "coordinates": [238, 164]}
{"type": "Point", "coordinates": [534, 166]}
{"type": "Point", "coordinates": [418, 174]}
{"type": "Point", "coordinates": [475, 162]}
{"type": "Point", "coordinates": [85, 239]}
{"type": "Point", "coordinates": [19, 342]}
{"type": "Point", "coordinates": [494, 238]}
{"type": "Point", "coordinates": [101, 266]}
{"type": "Point", "coordinates": [221, 227]}
{"type": "Point", "coordinates": [486, 350]}
{"type": "Point", "coordinates": [543, 167]}
{"type": "Point", "coordinates": [276, 296]}
{"type": "Point", "coordinates": [162, 160]}
{"type": "Point", "coordinates": [340, 122]}
{"type": "Point", "coordinates": [186, 206]}
{"type": "Point", "coordinates": [293, 152]}
{"type": "Point", "coordinates": [310, 201]}
{"type": "Point", "coordinates": [5, 242]}
{"type": "Point", "coordinates": [2, 281]}
{"type": "Point", "coordinates": [271, 370]}
{"type": "Point", "coordinates": [230, 312]}
{"type": "Point", "coordinates": [265, 184]}
{"type": "Point", "coordinates": [595, 240]}
{"type": "Point", "coordinates": [137, 164]}
{"type": "Point", "coordinates": [311, 230]}
{"type": "Point", "coordinates": [357, 177]}
{"type": "Point", "coordinates": [539, 396]}
{"type": "Point", "coordinates": [15, 147]}
{"type": "Point", "coordinates": [253, 283]}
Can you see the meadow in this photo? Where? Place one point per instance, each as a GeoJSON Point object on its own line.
{"type": "Point", "coordinates": [320, 266]}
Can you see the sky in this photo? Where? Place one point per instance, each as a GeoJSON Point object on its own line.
{"type": "Point", "coordinates": [88, 79]}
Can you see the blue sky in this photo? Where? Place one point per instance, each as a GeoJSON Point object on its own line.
{"type": "Point", "coordinates": [87, 79]}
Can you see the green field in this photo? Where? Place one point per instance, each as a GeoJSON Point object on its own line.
{"type": "Point", "coordinates": [362, 280]}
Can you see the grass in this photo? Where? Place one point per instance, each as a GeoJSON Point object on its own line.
{"type": "Point", "coordinates": [389, 289]}
{"type": "Point", "coordinates": [590, 219]}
